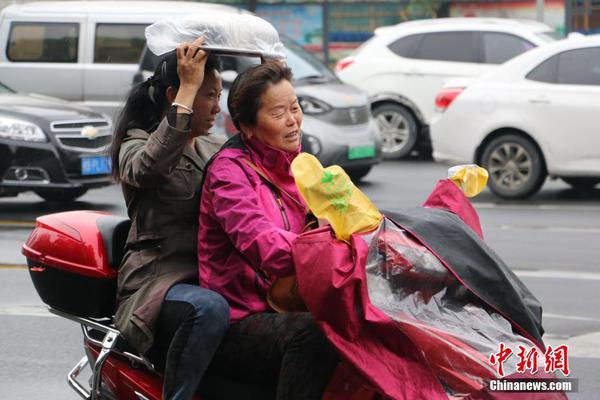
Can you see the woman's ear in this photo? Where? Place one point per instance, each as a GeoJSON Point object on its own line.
{"type": "Point", "coordinates": [246, 131]}
{"type": "Point", "coordinates": [171, 94]}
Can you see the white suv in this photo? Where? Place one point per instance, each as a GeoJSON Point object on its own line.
{"type": "Point", "coordinates": [404, 66]}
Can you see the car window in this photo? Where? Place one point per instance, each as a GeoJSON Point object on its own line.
{"type": "Point", "coordinates": [579, 67]}
{"type": "Point", "coordinates": [149, 62]}
{"type": "Point", "coordinates": [43, 42]}
{"type": "Point", "coordinates": [405, 47]}
{"type": "Point", "coordinates": [501, 47]}
{"type": "Point", "coordinates": [119, 43]}
{"type": "Point", "coordinates": [303, 64]}
{"type": "Point", "coordinates": [447, 46]}
{"type": "Point", "coordinates": [545, 72]}
{"type": "Point", "coordinates": [238, 64]}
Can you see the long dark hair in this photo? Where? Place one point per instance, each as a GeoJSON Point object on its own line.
{"type": "Point", "coordinates": [146, 103]}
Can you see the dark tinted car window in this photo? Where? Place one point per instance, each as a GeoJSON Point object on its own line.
{"type": "Point", "coordinates": [405, 47]}
{"type": "Point", "coordinates": [43, 42]}
{"type": "Point", "coordinates": [546, 71]}
{"type": "Point", "coordinates": [447, 46]}
{"type": "Point", "coordinates": [302, 63]}
{"type": "Point", "coordinates": [149, 62]}
{"type": "Point", "coordinates": [501, 47]}
{"type": "Point", "coordinates": [119, 43]}
{"type": "Point", "coordinates": [579, 67]}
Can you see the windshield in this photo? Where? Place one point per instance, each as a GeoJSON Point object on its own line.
{"type": "Point", "coordinates": [303, 64]}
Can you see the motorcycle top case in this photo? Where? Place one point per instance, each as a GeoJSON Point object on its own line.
{"type": "Point", "coordinates": [73, 259]}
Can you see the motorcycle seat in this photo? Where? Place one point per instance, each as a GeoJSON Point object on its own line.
{"type": "Point", "coordinates": [114, 231]}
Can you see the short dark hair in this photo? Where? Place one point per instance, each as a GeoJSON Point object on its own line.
{"type": "Point", "coordinates": [244, 96]}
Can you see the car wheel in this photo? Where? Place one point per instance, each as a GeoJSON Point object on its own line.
{"type": "Point", "coordinates": [582, 183]}
{"type": "Point", "coordinates": [61, 194]}
{"type": "Point", "coordinates": [357, 173]}
{"type": "Point", "coordinates": [398, 130]}
{"type": "Point", "coordinates": [515, 165]}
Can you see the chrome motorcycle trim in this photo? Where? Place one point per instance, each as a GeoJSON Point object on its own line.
{"type": "Point", "coordinates": [107, 345]}
{"type": "Point", "coordinates": [72, 379]}
{"type": "Point", "coordinates": [85, 321]}
{"type": "Point", "coordinates": [137, 359]}
{"type": "Point", "coordinates": [109, 342]}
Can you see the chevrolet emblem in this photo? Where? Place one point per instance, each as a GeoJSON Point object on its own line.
{"type": "Point", "coordinates": [89, 132]}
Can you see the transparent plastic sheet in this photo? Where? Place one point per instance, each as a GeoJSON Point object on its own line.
{"type": "Point", "coordinates": [455, 331]}
{"type": "Point", "coordinates": [225, 33]}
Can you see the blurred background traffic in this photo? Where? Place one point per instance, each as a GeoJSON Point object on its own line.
{"type": "Point", "coordinates": [376, 80]}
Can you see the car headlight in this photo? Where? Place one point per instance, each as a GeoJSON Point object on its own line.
{"type": "Point", "coordinates": [311, 144]}
{"type": "Point", "coordinates": [311, 105]}
{"type": "Point", "coordinates": [17, 129]}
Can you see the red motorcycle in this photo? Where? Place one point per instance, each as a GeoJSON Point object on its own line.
{"type": "Point", "coordinates": [73, 259]}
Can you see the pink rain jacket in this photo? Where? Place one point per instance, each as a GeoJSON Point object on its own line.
{"type": "Point", "coordinates": [246, 228]}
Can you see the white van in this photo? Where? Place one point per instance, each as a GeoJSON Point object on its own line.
{"type": "Point", "coordinates": [82, 51]}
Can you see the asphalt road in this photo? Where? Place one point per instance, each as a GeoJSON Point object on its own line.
{"type": "Point", "coordinates": [551, 241]}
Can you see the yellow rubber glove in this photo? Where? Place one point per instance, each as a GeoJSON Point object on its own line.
{"type": "Point", "coordinates": [470, 178]}
{"type": "Point", "coordinates": [331, 195]}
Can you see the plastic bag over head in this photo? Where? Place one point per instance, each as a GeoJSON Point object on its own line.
{"type": "Point", "coordinates": [331, 195]}
{"type": "Point", "coordinates": [229, 33]}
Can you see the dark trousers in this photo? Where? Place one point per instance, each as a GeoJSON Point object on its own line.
{"type": "Point", "coordinates": [287, 350]}
{"type": "Point", "coordinates": [189, 329]}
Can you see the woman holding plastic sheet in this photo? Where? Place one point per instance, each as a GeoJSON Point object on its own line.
{"type": "Point", "coordinates": [159, 152]}
{"type": "Point", "coordinates": [250, 212]}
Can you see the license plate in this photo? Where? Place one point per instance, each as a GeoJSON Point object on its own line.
{"type": "Point", "coordinates": [355, 153]}
{"type": "Point", "coordinates": [95, 165]}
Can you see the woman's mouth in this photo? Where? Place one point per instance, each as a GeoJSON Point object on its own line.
{"type": "Point", "coordinates": [291, 136]}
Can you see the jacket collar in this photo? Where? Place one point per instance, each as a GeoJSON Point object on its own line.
{"type": "Point", "coordinates": [191, 153]}
{"type": "Point", "coordinates": [273, 160]}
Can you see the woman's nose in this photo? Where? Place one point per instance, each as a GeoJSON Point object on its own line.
{"type": "Point", "coordinates": [290, 119]}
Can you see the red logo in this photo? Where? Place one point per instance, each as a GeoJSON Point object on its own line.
{"type": "Point", "coordinates": [500, 358]}
{"type": "Point", "coordinates": [555, 359]}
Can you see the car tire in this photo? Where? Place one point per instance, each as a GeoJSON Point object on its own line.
{"type": "Point", "coordinates": [357, 173]}
{"type": "Point", "coordinates": [64, 195]}
{"type": "Point", "coordinates": [398, 129]}
{"type": "Point", "coordinates": [515, 165]}
{"type": "Point", "coordinates": [581, 183]}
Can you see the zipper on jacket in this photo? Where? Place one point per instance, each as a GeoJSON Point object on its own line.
{"type": "Point", "coordinates": [286, 222]}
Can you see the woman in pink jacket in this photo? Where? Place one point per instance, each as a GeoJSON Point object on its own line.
{"type": "Point", "coordinates": [250, 213]}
